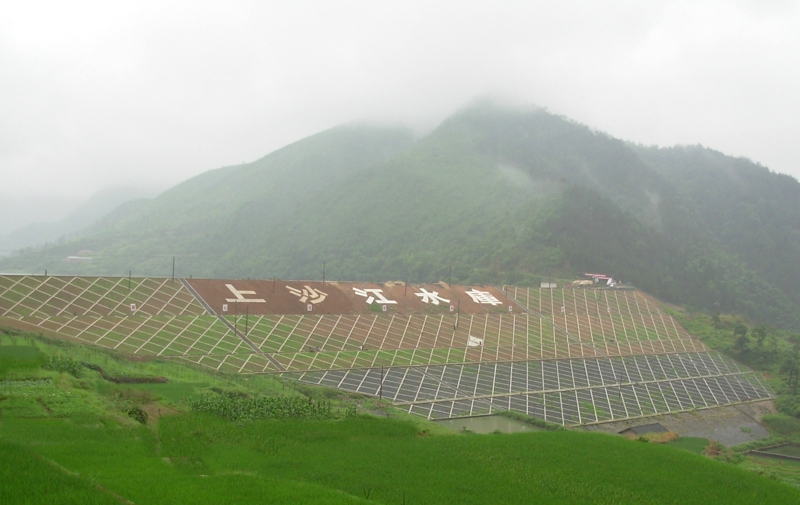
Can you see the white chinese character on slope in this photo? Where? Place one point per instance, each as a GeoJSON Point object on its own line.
{"type": "Point", "coordinates": [239, 296]}
{"type": "Point", "coordinates": [483, 297]}
{"type": "Point", "coordinates": [431, 297]}
{"type": "Point", "coordinates": [373, 295]}
{"type": "Point", "coordinates": [308, 294]}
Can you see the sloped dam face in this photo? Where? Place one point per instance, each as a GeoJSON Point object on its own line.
{"type": "Point", "coordinates": [566, 356]}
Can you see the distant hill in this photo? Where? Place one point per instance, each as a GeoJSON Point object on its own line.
{"type": "Point", "coordinates": [86, 214]}
{"type": "Point", "coordinates": [500, 195]}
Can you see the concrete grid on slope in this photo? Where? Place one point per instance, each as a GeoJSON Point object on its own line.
{"type": "Point", "coordinates": [571, 356]}
{"type": "Point", "coordinates": [568, 392]}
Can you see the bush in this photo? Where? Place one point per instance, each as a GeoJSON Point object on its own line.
{"type": "Point", "coordinates": [788, 404]}
{"type": "Point", "coordinates": [63, 364]}
{"type": "Point", "coordinates": [781, 423]}
{"type": "Point", "coordinates": [237, 408]}
{"type": "Point", "coordinates": [533, 421]}
{"type": "Point", "coordinates": [138, 414]}
{"type": "Point", "coordinates": [759, 444]}
{"type": "Point", "coordinates": [714, 448]}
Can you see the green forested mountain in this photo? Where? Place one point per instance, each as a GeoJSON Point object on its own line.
{"type": "Point", "coordinates": [499, 195]}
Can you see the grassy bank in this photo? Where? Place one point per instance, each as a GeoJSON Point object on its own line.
{"type": "Point", "coordinates": [67, 436]}
{"type": "Point", "coordinates": [202, 458]}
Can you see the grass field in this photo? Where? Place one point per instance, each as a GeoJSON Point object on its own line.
{"type": "Point", "coordinates": [692, 444]}
{"type": "Point", "coordinates": [27, 477]}
{"type": "Point", "coordinates": [202, 459]}
{"type": "Point", "coordinates": [70, 439]}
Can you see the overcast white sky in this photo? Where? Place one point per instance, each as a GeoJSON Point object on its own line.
{"type": "Point", "coordinates": [140, 93]}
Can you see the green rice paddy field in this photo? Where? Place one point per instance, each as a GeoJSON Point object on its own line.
{"type": "Point", "coordinates": [68, 439]}
{"type": "Point", "coordinates": [203, 459]}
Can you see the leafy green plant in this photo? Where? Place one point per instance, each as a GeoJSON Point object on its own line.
{"type": "Point", "coordinates": [789, 405]}
{"type": "Point", "coordinates": [790, 369]}
{"type": "Point", "coordinates": [760, 444]}
{"type": "Point", "coordinates": [782, 424]}
{"type": "Point", "coordinates": [63, 364]}
{"type": "Point", "coordinates": [237, 408]}
{"type": "Point", "coordinates": [138, 414]}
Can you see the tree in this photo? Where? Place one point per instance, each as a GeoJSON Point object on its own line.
{"type": "Point", "coordinates": [795, 340]}
{"type": "Point", "coordinates": [741, 342]}
{"type": "Point", "coordinates": [791, 369]}
{"type": "Point", "coordinates": [773, 341]}
{"type": "Point", "coordinates": [760, 333]}
{"type": "Point", "coordinates": [716, 320]}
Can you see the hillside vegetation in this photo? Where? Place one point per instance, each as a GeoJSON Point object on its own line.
{"type": "Point", "coordinates": [499, 195]}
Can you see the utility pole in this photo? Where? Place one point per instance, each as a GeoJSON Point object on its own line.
{"type": "Point", "coordinates": [450, 279]}
{"type": "Point", "coordinates": [173, 269]}
{"type": "Point", "coordinates": [323, 273]}
{"type": "Point", "coordinates": [130, 272]}
{"type": "Point", "coordinates": [273, 284]}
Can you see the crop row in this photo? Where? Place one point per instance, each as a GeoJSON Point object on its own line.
{"type": "Point", "coordinates": [237, 408]}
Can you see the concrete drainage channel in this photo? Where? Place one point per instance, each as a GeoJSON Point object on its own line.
{"type": "Point", "coordinates": [790, 452]}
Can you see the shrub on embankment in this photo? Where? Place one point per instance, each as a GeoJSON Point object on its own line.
{"type": "Point", "coordinates": [241, 408]}
{"type": "Point", "coordinates": [63, 364]}
{"type": "Point", "coordinates": [530, 420]}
